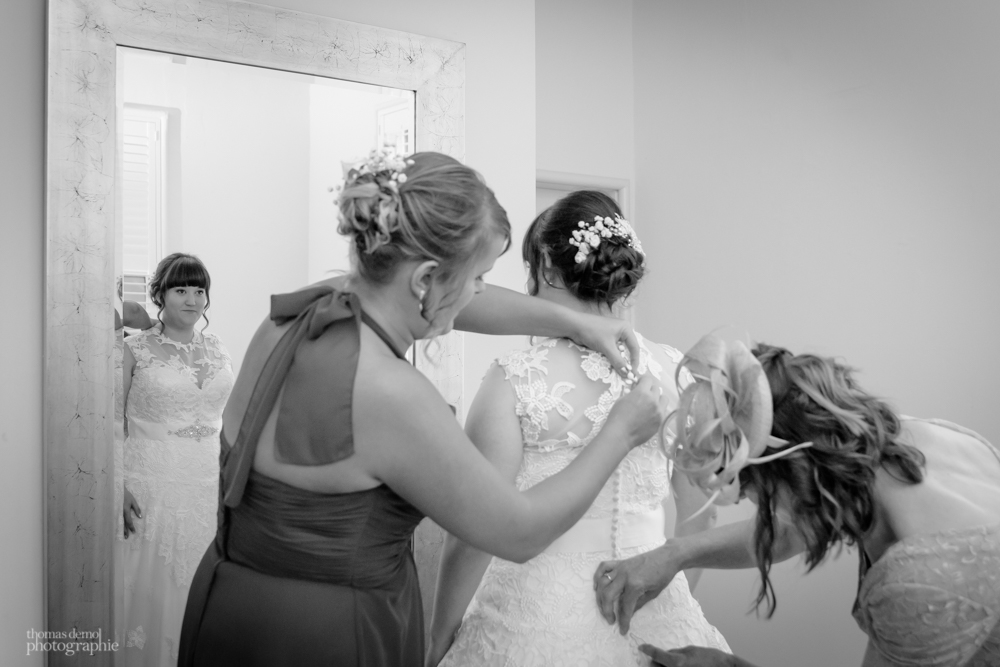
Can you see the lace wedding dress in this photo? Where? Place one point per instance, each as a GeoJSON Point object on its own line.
{"type": "Point", "coordinates": [544, 612]}
{"type": "Point", "coordinates": [170, 464]}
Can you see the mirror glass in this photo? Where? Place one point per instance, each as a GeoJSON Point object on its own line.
{"type": "Point", "coordinates": [236, 164]}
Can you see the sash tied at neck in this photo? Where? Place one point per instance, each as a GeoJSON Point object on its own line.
{"type": "Point", "coordinates": [311, 367]}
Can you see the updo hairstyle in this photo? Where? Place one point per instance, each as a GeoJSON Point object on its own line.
{"type": "Point", "coordinates": [610, 272]}
{"type": "Point", "coordinates": [435, 208]}
{"type": "Point", "coordinates": [179, 270]}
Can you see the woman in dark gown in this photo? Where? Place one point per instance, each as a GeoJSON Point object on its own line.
{"type": "Point", "coordinates": [334, 448]}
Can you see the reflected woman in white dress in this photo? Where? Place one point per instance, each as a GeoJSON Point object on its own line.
{"type": "Point", "coordinates": [176, 381]}
{"type": "Point", "coordinates": [535, 412]}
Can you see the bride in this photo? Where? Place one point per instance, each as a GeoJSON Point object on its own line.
{"type": "Point", "coordinates": [176, 381]}
{"type": "Point", "coordinates": [535, 411]}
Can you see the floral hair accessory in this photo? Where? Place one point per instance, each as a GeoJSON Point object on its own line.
{"type": "Point", "coordinates": [380, 162]}
{"type": "Point", "coordinates": [723, 420]}
{"type": "Point", "coordinates": [589, 237]}
{"type": "Point", "coordinates": [385, 172]}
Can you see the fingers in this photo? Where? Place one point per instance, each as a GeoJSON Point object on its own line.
{"type": "Point", "coordinates": [645, 382]}
{"type": "Point", "coordinates": [660, 657]}
{"type": "Point", "coordinates": [626, 607]}
{"type": "Point", "coordinates": [131, 506]}
{"type": "Point", "coordinates": [631, 344]}
{"type": "Point", "coordinates": [622, 365]}
{"type": "Point", "coordinates": [603, 568]}
{"type": "Point", "coordinates": [608, 589]}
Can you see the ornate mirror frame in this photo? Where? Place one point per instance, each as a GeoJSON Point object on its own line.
{"type": "Point", "coordinates": [81, 209]}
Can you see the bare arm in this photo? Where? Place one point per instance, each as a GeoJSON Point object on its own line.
{"type": "Point", "coordinates": [636, 581]}
{"type": "Point", "coordinates": [494, 429]}
{"type": "Point", "coordinates": [135, 316]}
{"type": "Point", "coordinates": [409, 439]}
{"type": "Point", "coordinates": [129, 506]}
{"type": "Point", "coordinates": [693, 656]}
{"type": "Point", "coordinates": [691, 500]}
{"type": "Point", "coordinates": [500, 311]}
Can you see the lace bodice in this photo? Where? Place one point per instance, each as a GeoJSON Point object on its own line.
{"type": "Point", "coordinates": [178, 383]}
{"type": "Point", "coordinates": [564, 394]}
{"type": "Point", "coordinates": [171, 456]}
{"type": "Point", "coordinates": [543, 612]}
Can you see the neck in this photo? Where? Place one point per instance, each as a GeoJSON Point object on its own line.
{"type": "Point", "coordinates": [564, 297]}
{"type": "Point", "coordinates": [181, 334]}
{"type": "Point", "coordinates": [383, 304]}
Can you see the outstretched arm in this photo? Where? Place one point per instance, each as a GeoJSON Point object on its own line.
{"type": "Point", "coordinates": [500, 311]}
{"type": "Point", "coordinates": [692, 514]}
{"type": "Point", "coordinates": [493, 427]}
{"type": "Point", "coordinates": [634, 582]}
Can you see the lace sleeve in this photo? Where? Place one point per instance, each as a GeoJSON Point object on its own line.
{"type": "Point", "coordinates": [139, 348]}
{"type": "Point", "coordinates": [677, 356]}
{"type": "Point", "coordinates": [218, 351]}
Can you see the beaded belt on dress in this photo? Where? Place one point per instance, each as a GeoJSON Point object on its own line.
{"type": "Point", "coordinates": [194, 431]}
{"type": "Point", "coordinates": [633, 530]}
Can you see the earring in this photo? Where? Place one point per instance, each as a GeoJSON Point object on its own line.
{"type": "Point", "coordinates": [421, 296]}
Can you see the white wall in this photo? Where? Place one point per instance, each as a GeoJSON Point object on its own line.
{"type": "Point", "coordinates": [342, 128]}
{"type": "Point", "coordinates": [584, 87]}
{"type": "Point", "coordinates": [22, 131]}
{"type": "Point", "coordinates": [823, 176]}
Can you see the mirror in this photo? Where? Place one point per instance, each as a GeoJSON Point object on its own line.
{"type": "Point", "coordinates": [235, 164]}
{"type": "Point", "coordinates": [93, 47]}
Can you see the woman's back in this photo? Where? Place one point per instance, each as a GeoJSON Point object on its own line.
{"type": "Point", "coordinates": [961, 479]}
{"type": "Point", "coordinates": [563, 395]}
{"type": "Point", "coordinates": [542, 612]}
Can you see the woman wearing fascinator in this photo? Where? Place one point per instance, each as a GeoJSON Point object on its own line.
{"type": "Point", "coordinates": [536, 411]}
{"type": "Point", "coordinates": [334, 447]}
{"type": "Point", "coordinates": [828, 464]}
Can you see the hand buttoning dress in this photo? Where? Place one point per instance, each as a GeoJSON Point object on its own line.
{"type": "Point", "coordinates": [543, 612]}
{"type": "Point", "coordinates": [171, 466]}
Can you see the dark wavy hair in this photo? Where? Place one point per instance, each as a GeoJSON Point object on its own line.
{"type": "Point", "coordinates": [611, 271]}
{"type": "Point", "coordinates": [829, 487]}
{"type": "Point", "coordinates": [179, 270]}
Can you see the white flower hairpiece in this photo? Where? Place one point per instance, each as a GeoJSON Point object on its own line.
{"type": "Point", "coordinates": [378, 161]}
{"type": "Point", "coordinates": [588, 237]}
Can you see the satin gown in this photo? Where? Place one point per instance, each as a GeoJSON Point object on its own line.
{"type": "Point", "coordinates": [296, 577]}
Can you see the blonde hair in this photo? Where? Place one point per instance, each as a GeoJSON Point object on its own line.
{"type": "Point", "coordinates": [441, 210]}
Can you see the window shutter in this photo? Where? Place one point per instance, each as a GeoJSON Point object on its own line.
{"type": "Point", "coordinates": [142, 201]}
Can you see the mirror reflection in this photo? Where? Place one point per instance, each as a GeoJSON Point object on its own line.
{"type": "Point", "coordinates": [226, 197]}
{"type": "Point", "coordinates": [235, 164]}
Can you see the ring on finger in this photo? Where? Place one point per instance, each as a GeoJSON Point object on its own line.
{"type": "Point", "coordinates": [608, 575]}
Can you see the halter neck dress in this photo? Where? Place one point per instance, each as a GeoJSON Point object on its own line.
{"type": "Point", "coordinates": [296, 577]}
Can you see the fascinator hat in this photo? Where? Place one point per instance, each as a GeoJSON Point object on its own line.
{"type": "Point", "coordinates": [723, 420]}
